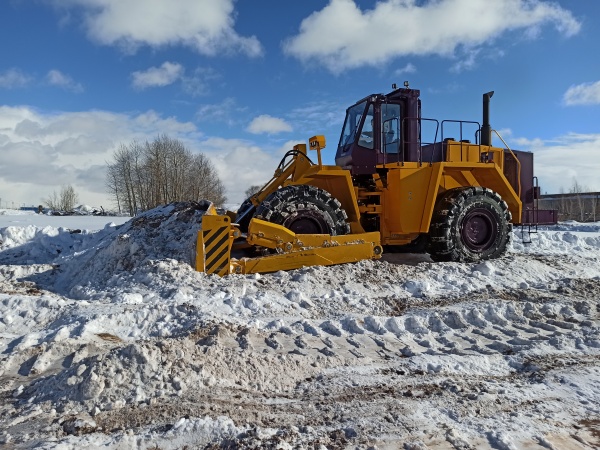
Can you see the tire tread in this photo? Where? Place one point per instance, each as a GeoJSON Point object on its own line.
{"type": "Point", "coordinates": [444, 243]}
{"type": "Point", "coordinates": [284, 202]}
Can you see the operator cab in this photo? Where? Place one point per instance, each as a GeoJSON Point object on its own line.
{"type": "Point", "coordinates": [379, 129]}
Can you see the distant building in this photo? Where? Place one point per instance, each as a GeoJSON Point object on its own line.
{"type": "Point", "coordinates": [579, 206]}
{"type": "Point", "coordinates": [34, 209]}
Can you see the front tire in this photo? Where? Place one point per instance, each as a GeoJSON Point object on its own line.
{"type": "Point", "coordinates": [468, 225]}
{"type": "Point", "coordinates": [244, 214]}
{"type": "Point", "coordinates": [305, 209]}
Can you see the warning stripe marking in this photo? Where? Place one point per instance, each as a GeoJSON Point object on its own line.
{"type": "Point", "coordinates": [216, 247]}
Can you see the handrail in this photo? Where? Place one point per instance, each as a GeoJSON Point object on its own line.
{"type": "Point", "coordinates": [419, 143]}
{"type": "Point", "coordinates": [461, 123]}
{"type": "Point", "coordinates": [516, 159]}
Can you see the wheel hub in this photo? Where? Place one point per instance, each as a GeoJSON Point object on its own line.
{"type": "Point", "coordinates": [307, 222]}
{"type": "Point", "coordinates": [479, 230]}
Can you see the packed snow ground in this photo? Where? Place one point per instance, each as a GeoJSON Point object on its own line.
{"type": "Point", "coordinates": [110, 339]}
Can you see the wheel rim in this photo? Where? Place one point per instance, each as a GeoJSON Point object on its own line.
{"type": "Point", "coordinates": [307, 222]}
{"type": "Point", "coordinates": [479, 230]}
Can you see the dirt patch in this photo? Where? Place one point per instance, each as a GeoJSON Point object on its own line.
{"type": "Point", "coordinates": [593, 427]}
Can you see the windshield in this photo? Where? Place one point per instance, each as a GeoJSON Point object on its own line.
{"type": "Point", "coordinates": [353, 118]}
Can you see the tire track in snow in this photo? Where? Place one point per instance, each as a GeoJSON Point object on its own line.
{"type": "Point", "coordinates": [486, 327]}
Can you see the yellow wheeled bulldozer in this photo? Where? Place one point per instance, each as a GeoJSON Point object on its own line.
{"type": "Point", "coordinates": [391, 188]}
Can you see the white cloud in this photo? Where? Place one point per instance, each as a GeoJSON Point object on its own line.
{"type": "Point", "coordinates": [13, 78]}
{"type": "Point", "coordinates": [197, 83]}
{"type": "Point", "coordinates": [41, 151]}
{"type": "Point", "coordinates": [467, 62]}
{"type": "Point", "coordinates": [205, 25]}
{"type": "Point", "coordinates": [167, 73]}
{"type": "Point", "coordinates": [527, 143]}
{"type": "Point", "coordinates": [289, 145]}
{"type": "Point", "coordinates": [342, 36]}
{"type": "Point", "coordinates": [57, 78]}
{"type": "Point", "coordinates": [506, 133]}
{"type": "Point", "coordinates": [409, 68]}
{"type": "Point", "coordinates": [227, 111]}
{"type": "Point", "coordinates": [240, 164]}
{"type": "Point", "coordinates": [568, 157]}
{"type": "Point", "coordinates": [583, 94]}
{"type": "Point", "coordinates": [268, 124]}
{"type": "Point", "coordinates": [319, 115]}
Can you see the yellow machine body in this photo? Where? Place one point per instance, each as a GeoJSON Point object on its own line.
{"type": "Point", "coordinates": [410, 194]}
{"type": "Point", "coordinates": [405, 206]}
{"type": "Point", "coordinates": [387, 204]}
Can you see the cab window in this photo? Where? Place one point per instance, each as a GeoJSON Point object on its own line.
{"type": "Point", "coordinates": [353, 118]}
{"type": "Point", "coordinates": [366, 133]}
{"type": "Point", "coordinates": [390, 128]}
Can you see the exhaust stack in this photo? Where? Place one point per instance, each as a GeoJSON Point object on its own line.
{"type": "Point", "coordinates": [486, 129]}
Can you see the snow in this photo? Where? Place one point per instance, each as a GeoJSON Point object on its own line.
{"type": "Point", "coordinates": [110, 339]}
{"type": "Point", "coordinates": [17, 218]}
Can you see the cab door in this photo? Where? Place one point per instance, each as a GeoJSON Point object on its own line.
{"type": "Point", "coordinates": [391, 132]}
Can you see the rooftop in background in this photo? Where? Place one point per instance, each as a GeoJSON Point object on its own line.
{"type": "Point", "coordinates": [570, 195]}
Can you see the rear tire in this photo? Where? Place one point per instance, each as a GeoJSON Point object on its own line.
{"type": "Point", "coordinates": [468, 225]}
{"type": "Point", "coordinates": [305, 209]}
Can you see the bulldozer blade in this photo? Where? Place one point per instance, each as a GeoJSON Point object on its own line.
{"type": "Point", "coordinates": [213, 249]}
{"type": "Point", "coordinates": [334, 251]}
{"type": "Point", "coordinates": [208, 207]}
{"type": "Point", "coordinates": [287, 249]}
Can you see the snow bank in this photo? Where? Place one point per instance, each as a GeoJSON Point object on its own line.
{"type": "Point", "coordinates": [110, 339]}
{"type": "Point", "coordinates": [84, 258]}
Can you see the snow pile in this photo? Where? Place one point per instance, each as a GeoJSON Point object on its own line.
{"type": "Point", "coordinates": [562, 240]}
{"type": "Point", "coordinates": [85, 210]}
{"type": "Point", "coordinates": [162, 234]}
{"type": "Point", "coordinates": [15, 212]}
{"type": "Point", "coordinates": [110, 339]}
{"type": "Point", "coordinates": [572, 226]}
{"type": "Point", "coordinates": [201, 432]}
{"type": "Point", "coordinates": [47, 245]}
{"type": "Point", "coordinates": [144, 373]}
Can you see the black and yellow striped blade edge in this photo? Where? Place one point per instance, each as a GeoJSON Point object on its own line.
{"type": "Point", "coordinates": [213, 251]}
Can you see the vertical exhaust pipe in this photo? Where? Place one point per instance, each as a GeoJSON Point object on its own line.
{"type": "Point", "coordinates": [486, 129]}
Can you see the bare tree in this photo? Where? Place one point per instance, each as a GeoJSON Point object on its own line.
{"type": "Point", "coordinates": [65, 201]}
{"type": "Point", "coordinates": [204, 181]}
{"type": "Point", "coordinates": [68, 198]}
{"type": "Point", "coordinates": [577, 190]}
{"type": "Point", "coordinates": [112, 184]}
{"type": "Point", "coordinates": [52, 201]}
{"type": "Point", "coordinates": [565, 206]}
{"type": "Point", "coordinates": [252, 190]}
{"type": "Point", "coordinates": [594, 207]}
{"type": "Point", "coordinates": [143, 176]}
{"type": "Point", "coordinates": [121, 176]}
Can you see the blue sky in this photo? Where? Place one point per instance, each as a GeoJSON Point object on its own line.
{"type": "Point", "coordinates": [243, 81]}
